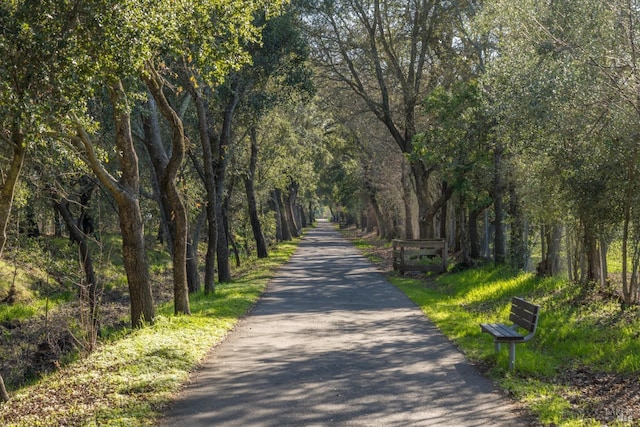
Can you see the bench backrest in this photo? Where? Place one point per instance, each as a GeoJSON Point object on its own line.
{"type": "Point", "coordinates": [524, 314]}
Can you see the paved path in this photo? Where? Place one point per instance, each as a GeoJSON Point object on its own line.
{"type": "Point", "coordinates": [332, 343]}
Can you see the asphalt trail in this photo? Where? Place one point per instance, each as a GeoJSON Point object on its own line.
{"type": "Point", "coordinates": [332, 343]}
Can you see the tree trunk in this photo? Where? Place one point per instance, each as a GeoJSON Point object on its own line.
{"type": "Point", "coordinates": [465, 237]}
{"type": "Point", "coordinates": [125, 191]}
{"type": "Point", "coordinates": [407, 193]}
{"type": "Point", "coordinates": [275, 206]}
{"type": "Point", "coordinates": [551, 240]}
{"type": "Point", "coordinates": [290, 198]}
{"type": "Point", "coordinates": [225, 218]}
{"type": "Point", "coordinates": [19, 148]}
{"type": "Point", "coordinates": [443, 219]}
{"type": "Point", "coordinates": [134, 252]}
{"type": "Point", "coordinates": [256, 227]}
{"type": "Point", "coordinates": [592, 255]}
{"type": "Point", "coordinates": [302, 217]}
{"type": "Point", "coordinates": [171, 202]}
{"type": "Point", "coordinates": [289, 215]}
{"type": "Point", "coordinates": [425, 214]}
{"type": "Point", "coordinates": [474, 234]}
{"type": "Point", "coordinates": [193, 276]}
{"type": "Point", "coordinates": [222, 248]}
{"type": "Point", "coordinates": [382, 227]}
{"type": "Point", "coordinates": [136, 263]}
{"type": "Point", "coordinates": [312, 216]}
{"type": "Point", "coordinates": [499, 245]}
{"type": "Point", "coordinates": [4, 396]}
{"type": "Point", "coordinates": [88, 292]}
{"type": "Point", "coordinates": [518, 246]}
{"type": "Point", "coordinates": [205, 132]}
{"type": "Point", "coordinates": [221, 161]}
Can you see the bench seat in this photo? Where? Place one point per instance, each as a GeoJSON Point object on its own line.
{"type": "Point", "coordinates": [502, 332]}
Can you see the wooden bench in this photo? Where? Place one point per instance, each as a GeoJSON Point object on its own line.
{"type": "Point", "coordinates": [420, 255]}
{"type": "Point", "coordinates": [524, 316]}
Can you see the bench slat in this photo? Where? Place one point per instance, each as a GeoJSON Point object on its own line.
{"type": "Point", "coordinates": [501, 332]}
{"type": "Point", "coordinates": [523, 317]}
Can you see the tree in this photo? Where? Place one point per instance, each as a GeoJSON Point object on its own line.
{"type": "Point", "coordinates": [125, 191]}
{"type": "Point", "coordinates": [569, 71]}
{"type": "Point", "coordinates": [278, 73]}
{"type": "Point", "coordinates": [115, 44]}
{"type": "Point", "coordinates": [166, 169]}
{"type": "Point", "coordinates": [215, 54]}
{"type": "Point", "coordinates": [388, 52]}
{"type": "Point", "coordinates": [252, 206]}
{"type": "Point", "coordinates": [39, 78]}
{"type": "Point", "coordinates": [459, 122]}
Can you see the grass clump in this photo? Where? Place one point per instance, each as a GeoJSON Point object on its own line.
{"type": "Point", "coordinates": [128, 380]}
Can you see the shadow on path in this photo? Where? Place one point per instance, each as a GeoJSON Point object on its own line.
{"type": "Point", "coordinates": [333, 343]}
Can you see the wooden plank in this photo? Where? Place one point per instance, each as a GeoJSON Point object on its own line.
{"type": "Point", "coordinates": [524, 314]}
{"type": "Point", "coordinates": [423, 243]}
{"type": "Point", "coordinates": [501, 332]}
{"type": "Point", "coordinates": [409, 255]}
{"type": "Point", "coordinates": [525, 304]}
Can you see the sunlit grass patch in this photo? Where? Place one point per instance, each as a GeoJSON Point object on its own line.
{"type": "Point", "coordinates": [129, 379]}
{"type": "Point", "coordinates": [578, 328]}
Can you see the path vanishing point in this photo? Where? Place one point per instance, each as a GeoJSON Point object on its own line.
{"type": "Point", "coordinates": [332, 343]}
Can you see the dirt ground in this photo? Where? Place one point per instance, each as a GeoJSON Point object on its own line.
{"type": "Point", "coordinates": [40, 345]}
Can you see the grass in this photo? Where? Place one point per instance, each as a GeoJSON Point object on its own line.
{"type": "Point", "coordinates": [129, 379]}
{"type": "Point", "coordinates": [579, 329]}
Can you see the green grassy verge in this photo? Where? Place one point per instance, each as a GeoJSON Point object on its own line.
{"type": "Point", "coordinates": [579, 331]}
{"type": "Point", "coordinates": [128, 380]}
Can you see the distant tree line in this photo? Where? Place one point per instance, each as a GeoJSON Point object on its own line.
{"type": "Point", "coordinates": [508, 128]}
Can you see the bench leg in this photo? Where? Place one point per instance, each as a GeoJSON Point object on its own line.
{"type": "Point", "coordinates": [497, 347]}
{"type": "Point", "coordinates": [512, 356]}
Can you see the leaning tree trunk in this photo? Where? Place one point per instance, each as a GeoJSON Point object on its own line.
{"type": "Point", "coordinates": [177, 213]}
{"type": "Point", "coordinates": [4, 396]}
{"type": "Point", "coordinates": [88, 292]}
{"type": "Point", "coordinates": [125, 191]}
{"type": "Point", "coordinates": [256, 227]}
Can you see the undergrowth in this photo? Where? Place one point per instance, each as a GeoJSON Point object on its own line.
{"type": "Point", "coordinates": [129, 379]}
